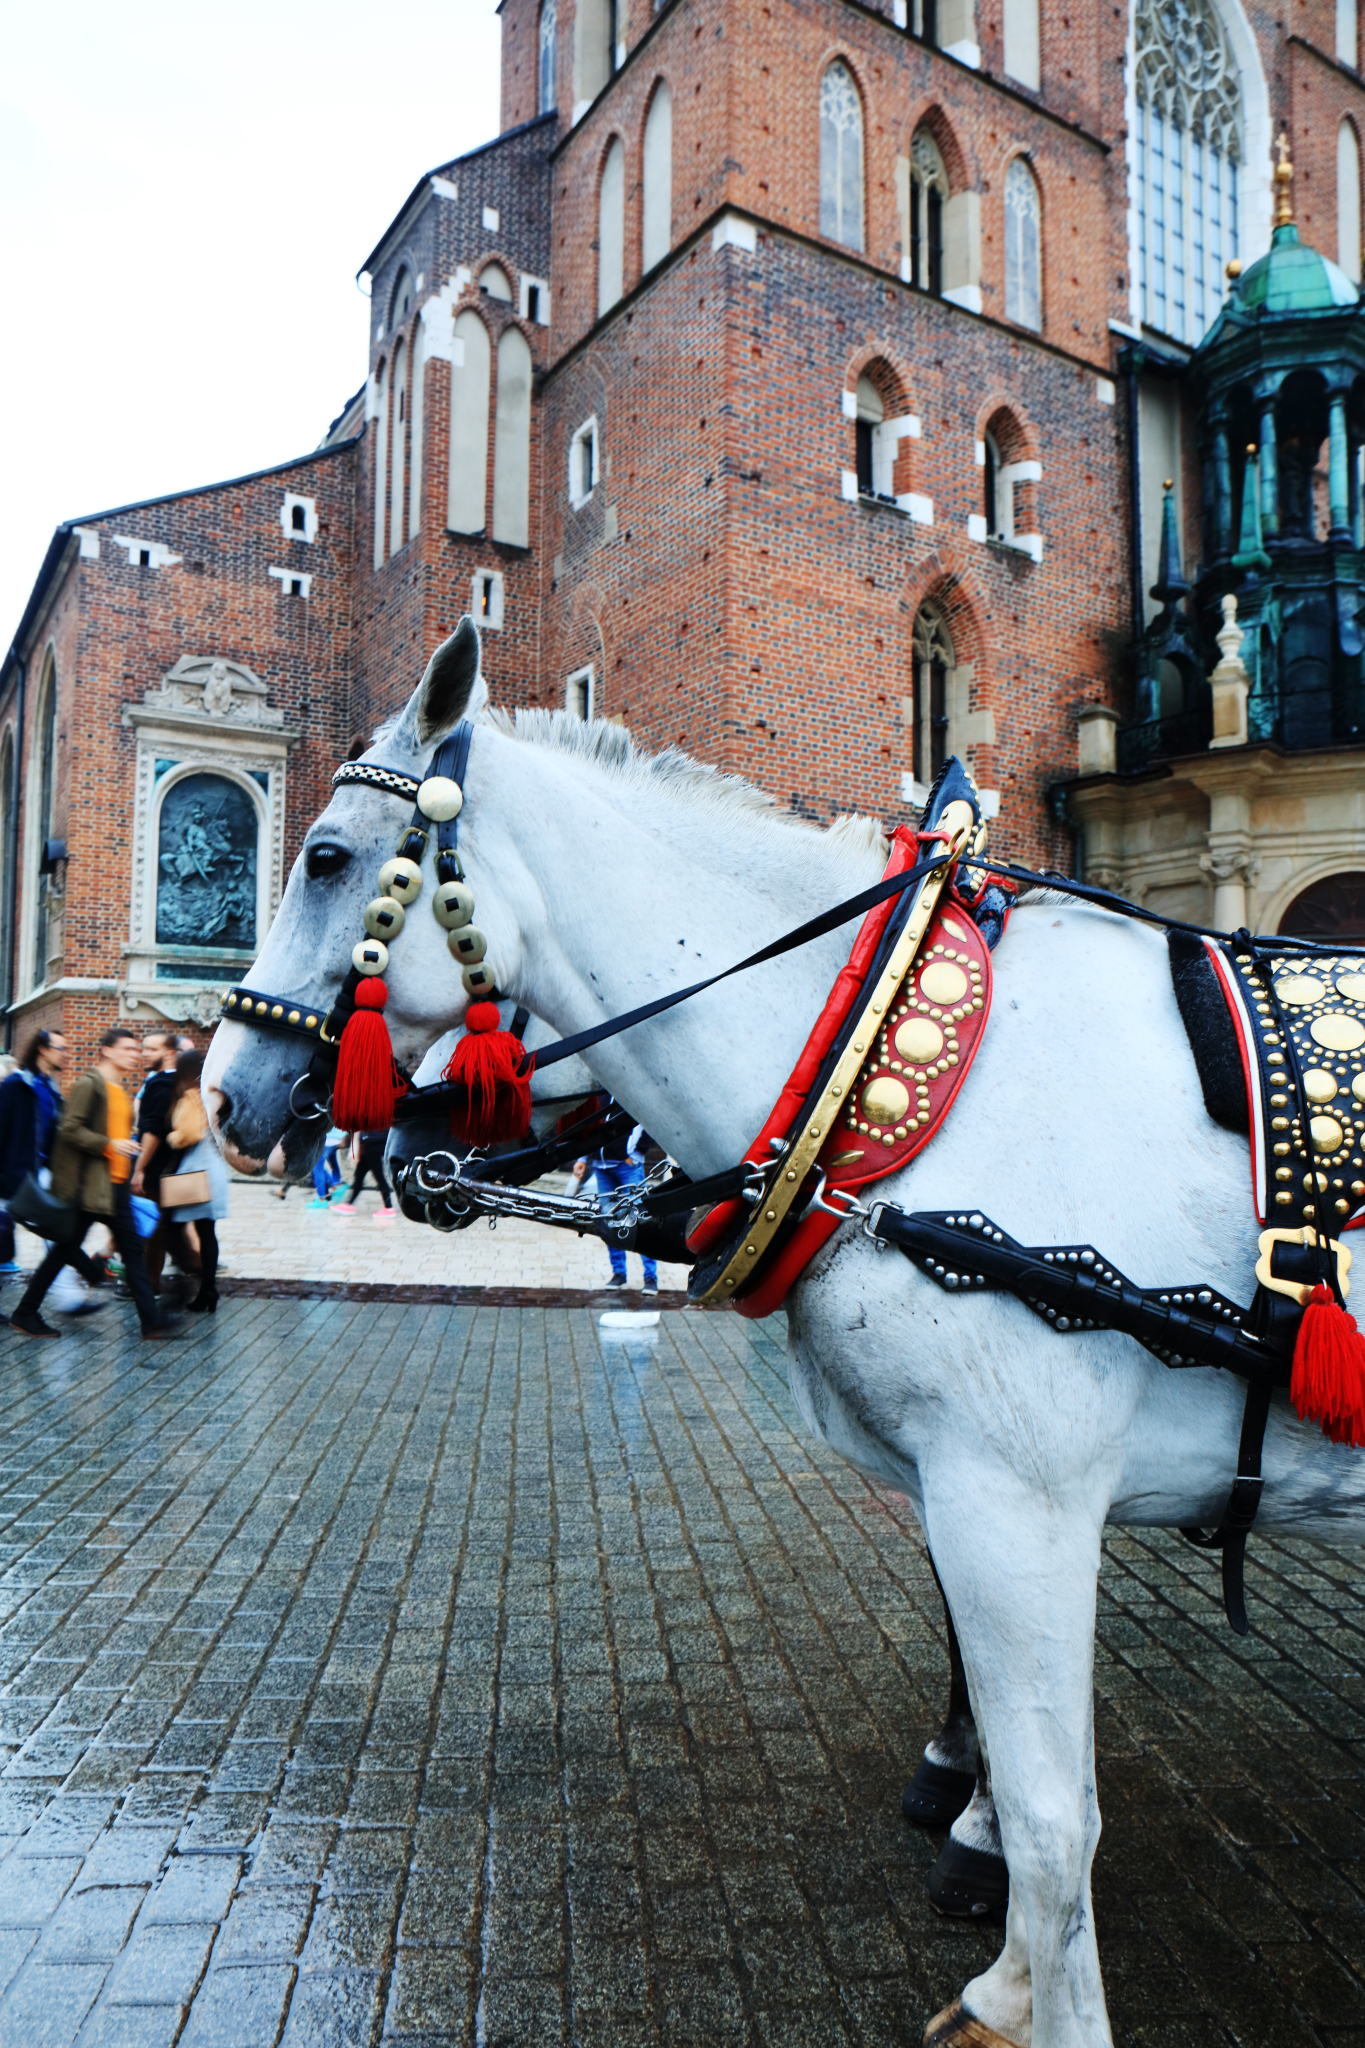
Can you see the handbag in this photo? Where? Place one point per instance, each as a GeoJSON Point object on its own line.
{"type": "Point", "coordinates": [185, 1190]}
{"type": "Point", "coordinates": [32, 1205]}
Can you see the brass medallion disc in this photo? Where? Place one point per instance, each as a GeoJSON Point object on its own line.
{"type": "Point", "coordinates": [1327, 1134]}
{"type": "Point", "coordinates": [1299, 989]}
{"type": "Point", "coordinates": [885, 1100]}
{"type": "Point", "coordinates": [943, 982]}
{"type": "Point", "coordinates": [919, 1039]}
{"type": "Point", "coordinates": [1319, 1085]}
{"type": "Point", "coordinates": [1338, 1032]}
{"type": "Point", "coordinates": [1352, 986]}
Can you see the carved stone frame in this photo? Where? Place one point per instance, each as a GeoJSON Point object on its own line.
{"type": "Point", "coordinates": [209, 714]}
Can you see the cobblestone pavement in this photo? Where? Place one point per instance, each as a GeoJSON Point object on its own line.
{"type": "Point", "coordinates": [458, 1675]}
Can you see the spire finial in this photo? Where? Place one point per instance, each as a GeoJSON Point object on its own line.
{"type": "Point", "coordinates": [1284, 180]}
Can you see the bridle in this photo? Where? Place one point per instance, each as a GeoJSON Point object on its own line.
{"type": "Point", "coordinates": [438, 798]}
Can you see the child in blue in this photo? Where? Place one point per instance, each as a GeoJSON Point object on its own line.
{"type": "Point", "coordinates": [621, 1164]}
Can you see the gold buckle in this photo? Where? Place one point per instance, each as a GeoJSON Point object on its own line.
{"type": "Point", "coordinates": [1299, 1290]}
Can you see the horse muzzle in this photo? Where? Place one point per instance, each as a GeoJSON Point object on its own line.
{"type": "Point", "coordinates": [262, 1104]}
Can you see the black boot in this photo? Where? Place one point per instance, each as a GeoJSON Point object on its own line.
{"type": "Point", "coordinates": [205, 1303]}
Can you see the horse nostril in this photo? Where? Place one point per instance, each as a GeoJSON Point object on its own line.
{"type": "Point", "coordinates": [219, 1105]}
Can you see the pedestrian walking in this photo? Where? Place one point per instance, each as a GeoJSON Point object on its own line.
{"type": "Point", "coordinates": [367, 1149]}
{"type": "Point", "coordinates": [30, 1105]}
{"type": "Point", "coordinates": [620, 1164]}
{"type": "Point", "coordinates": [327, 1172]}
{"type": "Point", "coordinates": [194, 1168]}
{"type": "Point", "coordinates": [160, 1050]}
{"type": "Point", "coordinates": [92, 1169]}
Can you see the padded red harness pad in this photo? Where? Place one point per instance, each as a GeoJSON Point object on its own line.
{"type": "Point", "coordinates": [904, 1092]}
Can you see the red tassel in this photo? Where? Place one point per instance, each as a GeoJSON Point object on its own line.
{"type": "Point", "coordinates": [486, 1065]}
{"type": "Point", "coordinates": [1328, 1381]}
{"type": "Point", "coordinates": [364, 1090]}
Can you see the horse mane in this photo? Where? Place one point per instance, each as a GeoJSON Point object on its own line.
{"type": "Point", "coordinates": [612, 748]}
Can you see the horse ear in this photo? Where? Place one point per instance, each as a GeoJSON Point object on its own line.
{"type": "Point", "coordinates": [452, 687]}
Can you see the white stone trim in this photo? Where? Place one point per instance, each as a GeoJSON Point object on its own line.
{"type": "Point", "coordinates": [920, 508]}
{"type": "Point", "coordinates": [209, 714]}
{"type": "Point", "coordinates": [976, 526]}
{"type": "Point", "coordinates": [158, 554]}
{"type": "Point", "coordinates": [585, 677]}
{"type": "Point", "coordinates": [288, 577]}
{"type": "Point", "coordinates": [491, 219]}
{"type": "Point", "coordinates": [968, 296]}
{"type": "Point", "coordinates": [848, 401]}
{"type": "Point", "coordinates": [90, 542]}
{"type": "Point", "coordinates": [578, 499]}
{"type": "Point", "coordinates": [1104, 390]}
{"type": "Point", "coordinates": [848, 483]}
{"type": "Point", "coordinates": [542, 313]}
{"type": "Point", "coordinates": [309, 506]}
{"type": "Point", "coordinates": [487, 600]}
{"type": "Point", "coordinates": [732, 231]}
{"type": "Point", "coordinates": [445, 188]}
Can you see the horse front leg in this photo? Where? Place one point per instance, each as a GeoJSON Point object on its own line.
{"type": "Point", "coordinates": [1020, 1575]}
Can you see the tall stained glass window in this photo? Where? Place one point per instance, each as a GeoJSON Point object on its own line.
{"type": "Point", "coordinates": [841, 157]}
{"type": "Point", "coordinates": [1188, 149]}
{"type": "Point", "coordinates": [547, 58]}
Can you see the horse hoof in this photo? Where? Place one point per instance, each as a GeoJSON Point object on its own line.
{"type": "Point", "coordinates": [969, 1884]}
{"type": "Point", "coordinates": [936, 1795]}
{"type": "Point", "coordinates": [955, 2027]}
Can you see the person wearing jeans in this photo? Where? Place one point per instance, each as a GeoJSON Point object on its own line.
{"type": "Point", "coordinates": [327, 1173]}
{"type": "Point", "coordinates": [621, 1164]}
{"type": "Point", "coordinates": [92, 1168]}
{"type": "Point", "coordinates": [30, 1106]}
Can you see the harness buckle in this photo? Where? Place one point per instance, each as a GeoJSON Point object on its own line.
{"type": "Point", "coordinates": [1299, 1290]}
{"type": "Point", "coordinates": [818, 1201]}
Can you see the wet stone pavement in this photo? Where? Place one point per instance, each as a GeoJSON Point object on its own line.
{"type": "Point", "coordinates": [458, 1675]}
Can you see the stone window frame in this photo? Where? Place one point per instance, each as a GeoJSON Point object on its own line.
{"type": "Point", "coordinates": [833, 216]}
{"type": "Point", "coordinates": [1023, 294]}
{"type": "Point", "coordinates": [652, 180]}
{"type": "Point", "coordinates": [547, 56]}
{"type": "Point", "coordinates": [588, 430]}
{"type": "Point", "coordinates": [488, 600]}
{"type": "Point", "coordinates": [583, 678]}
{"type": "Point", "coordinates": [35, 925]}
{"type": "Point", "coordinates": [306, 531]}
{"type": "Point", "coordinates": [610, 241]}
{"type": "Point", "coordinates": [240, 740]}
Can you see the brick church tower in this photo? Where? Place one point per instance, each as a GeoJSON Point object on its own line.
{"type": "Point", "coordinates": [795, 381]}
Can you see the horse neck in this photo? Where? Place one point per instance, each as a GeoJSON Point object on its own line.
{"type": "Point", "coordinates": [622, 888]}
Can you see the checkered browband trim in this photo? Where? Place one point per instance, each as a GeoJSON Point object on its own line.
{"type": "Point", "coordinates": [374, 777]}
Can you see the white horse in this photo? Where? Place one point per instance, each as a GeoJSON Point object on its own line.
{"type": "Point", "coordinates": [603, 879]}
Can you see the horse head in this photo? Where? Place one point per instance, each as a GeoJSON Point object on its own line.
{"type": "Point", "coordinates": [262, 1115]}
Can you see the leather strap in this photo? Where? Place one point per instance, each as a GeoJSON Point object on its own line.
{"type": "Point", "coordinates": [1243, 1501]}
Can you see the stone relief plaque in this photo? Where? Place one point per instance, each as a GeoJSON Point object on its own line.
{"type": "Point", "coordinates": [206, 864]}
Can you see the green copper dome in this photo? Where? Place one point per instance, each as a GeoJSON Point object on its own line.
{"type": "Point", "coordinates": [1292, 278]}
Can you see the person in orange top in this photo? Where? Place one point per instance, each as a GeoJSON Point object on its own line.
{"type": "Point", "coordinates": [92, 1168]}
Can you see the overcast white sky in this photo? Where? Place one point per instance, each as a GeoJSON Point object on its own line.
{"type": "Point", "coordinates": [186, 193]}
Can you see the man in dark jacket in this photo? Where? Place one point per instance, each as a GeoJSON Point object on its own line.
{"type": "Point", "coordinates": [30, 1105]}
{"type": "Point", "coordinates": [92, 1166]}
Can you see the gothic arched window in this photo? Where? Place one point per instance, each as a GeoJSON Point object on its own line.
{"type": "Point", "coordinates": [611, 228]}
{"type": "Point", "coordinates": [928, 194]}
{"type": "Point", "coordinates": [933, 665]}
{"type": "Point", "coordinates": [398, 448]}
{"type": "Point", "coordinates": [381, 460]}
{"type": "Point", "coordinates": [44, 764]}
{"type": "Point", "coordinates": [841, 158]}
{"type": "Point", "coordinates": [470, 377]}
{"type": "Point", "coordinates": [1023, 247]}
{"type": "Point", "coordinates": [1189, 145]}
{"type": "Point", "coordinates": [656, 226]}
{"type": "Point", "coordinates": [1348, 201]}
{"type": "Point", "coordinates": [547, 95]}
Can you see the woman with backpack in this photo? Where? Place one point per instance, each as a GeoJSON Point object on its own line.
{"type": "Point", "coordinates": [194, 1167]}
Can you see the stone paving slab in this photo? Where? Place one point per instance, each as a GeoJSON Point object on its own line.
{"type": "Point", "coordinates": [455, 1674]}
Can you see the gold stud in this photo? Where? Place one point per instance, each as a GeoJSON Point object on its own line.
{"type": "Point", "coordinates": [277, 1010]}
{"type": "Point", "coordinates": [293, 1016]}
{"type": "Point", "coordinates": [310, 1023]}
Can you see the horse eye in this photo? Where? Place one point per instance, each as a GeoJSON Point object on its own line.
{"type": "Point", "coordinates": [323, 861]}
